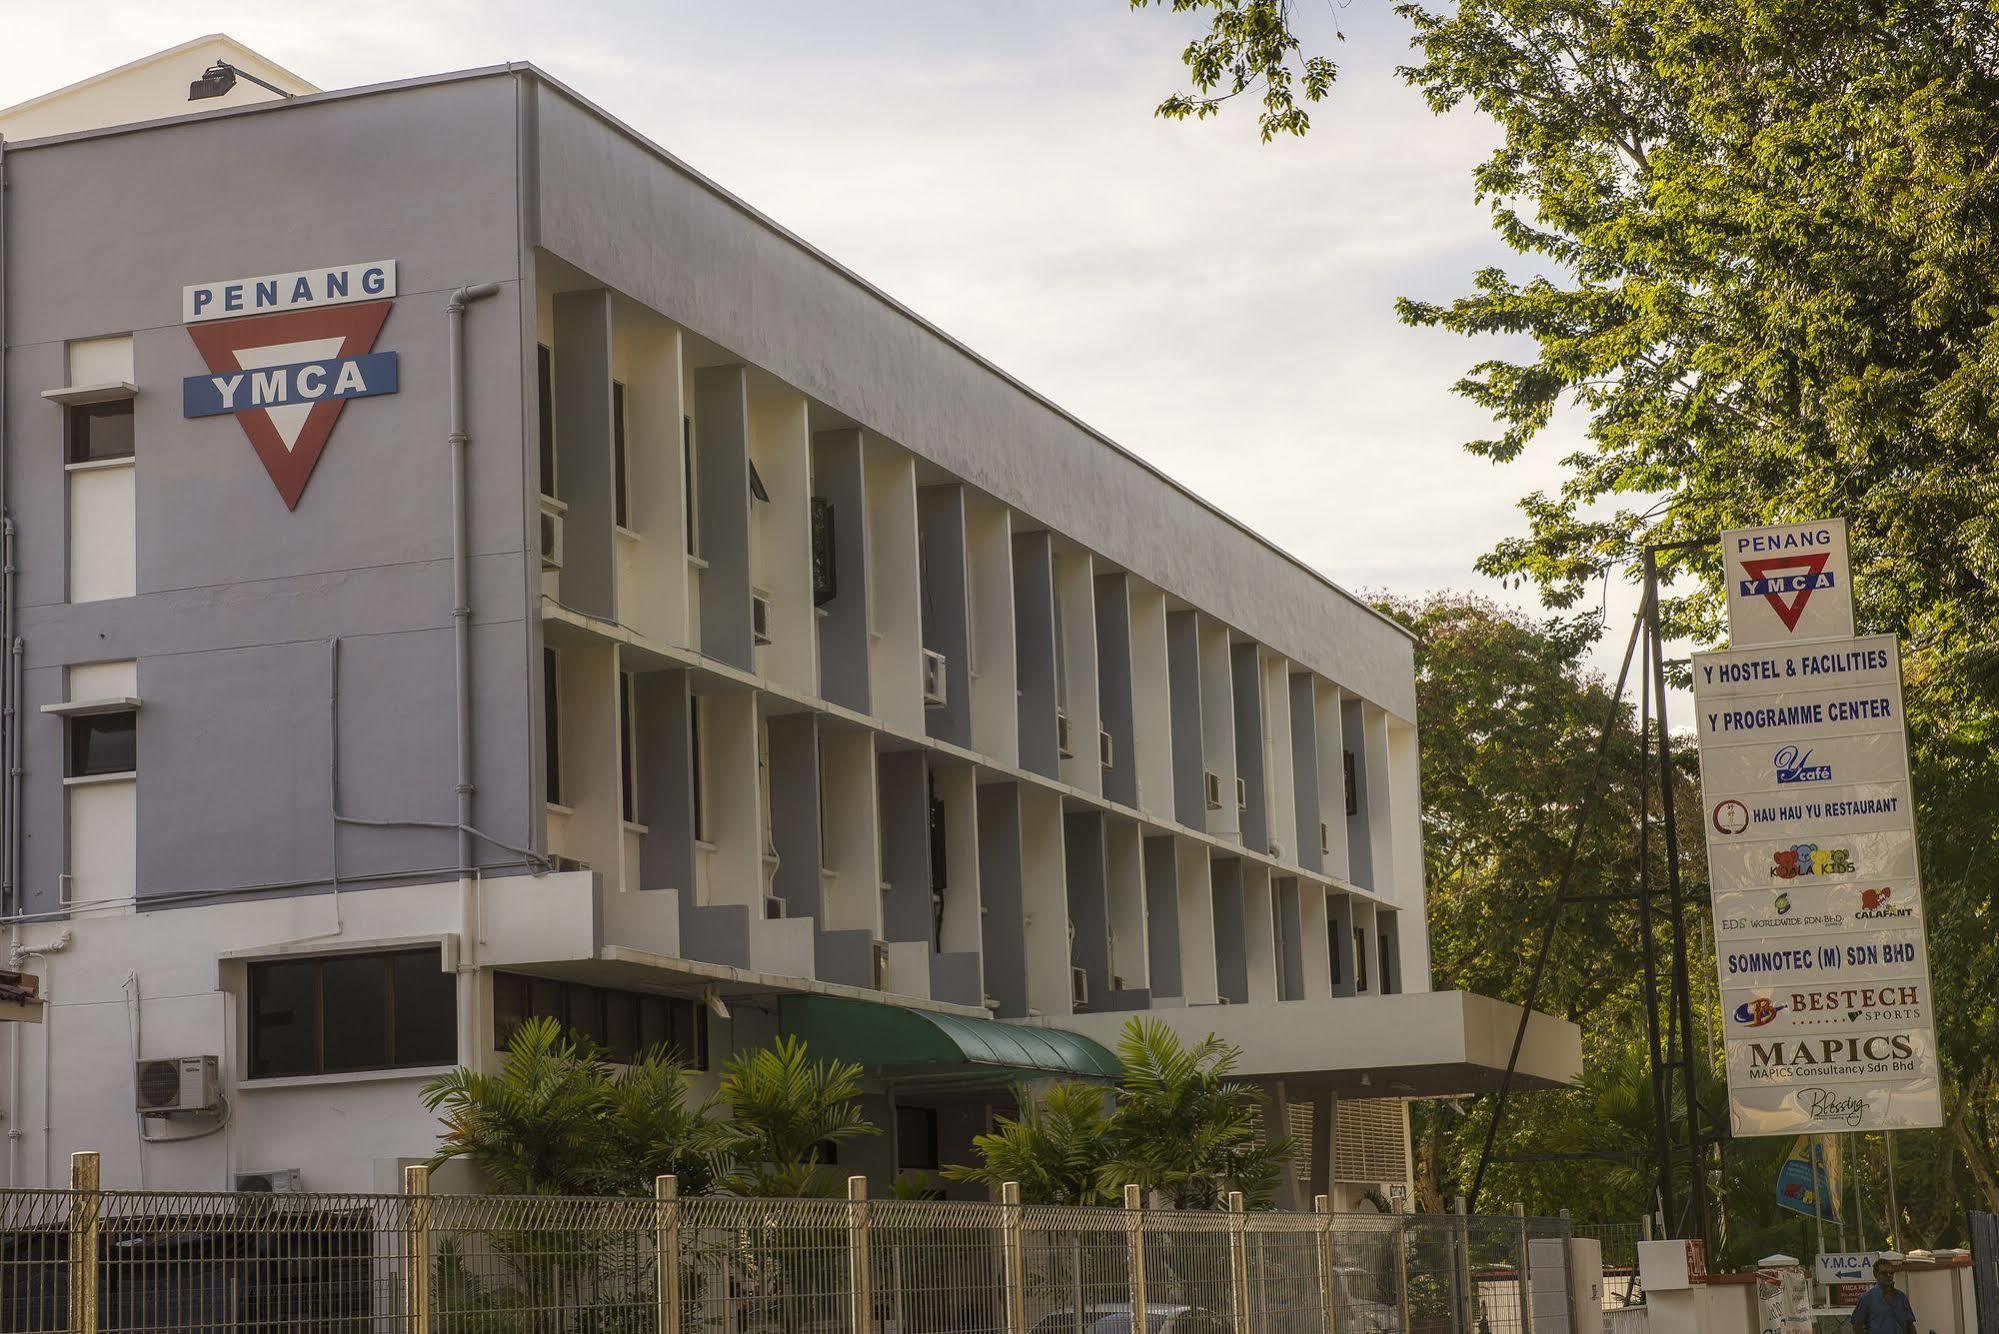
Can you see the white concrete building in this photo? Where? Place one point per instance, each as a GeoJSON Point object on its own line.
{"type": "Point", "coordinates": [736, 644]}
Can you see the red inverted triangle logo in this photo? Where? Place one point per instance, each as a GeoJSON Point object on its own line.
{"type": "Point", "coordinates": [290, 439]}
{"type": "Point", "coordinates": [1808, 573]}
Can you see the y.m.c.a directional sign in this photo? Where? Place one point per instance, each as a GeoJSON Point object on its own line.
{"type": "Point", "coordinates": [284, 354]}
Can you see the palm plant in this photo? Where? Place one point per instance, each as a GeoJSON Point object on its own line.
{"type": "Point", "coordinates": [784, 1111]}
{"type": "Point", "coordinates": [535, 1126]}
{"type": "Point", "coordinates": [1185, 1127]}
{"type": "Point", "coordinates": [1057, 1147]}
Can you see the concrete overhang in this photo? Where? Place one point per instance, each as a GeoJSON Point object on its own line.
{"type": "Point", "coordinates": [1429, 1044]}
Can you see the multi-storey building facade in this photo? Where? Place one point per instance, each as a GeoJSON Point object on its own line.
{"type": "Point", "coordinates": [462, 564]}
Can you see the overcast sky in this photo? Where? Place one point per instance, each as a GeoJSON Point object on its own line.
{"type": "Point", "coordinates": [1223, 307]}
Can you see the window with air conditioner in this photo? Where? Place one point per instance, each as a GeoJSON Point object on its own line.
{"type": "Point", "coordinates": [1325, 839]}
{"type": "Point", "coordinates": [936, 680]}
{"type": "Point", "coordinates": [1211, 789]}
{"type": "Point", "coordinates": [760, 631]}
{"type": "Point", "coordinates": [880, 970]}
{"type": "Point", "coordinates": [350, 1012]}
{"type": "Point", "coordinates": [1241, 794]}
{"type": "Point", "coordinates": [1079, 987]}
{"type": "Point", "coordinates": [1106, 753]}
{"type": "Point", "coordinates": [1063, 744]}
{"type": "Point", "coordinates": [551, 533]}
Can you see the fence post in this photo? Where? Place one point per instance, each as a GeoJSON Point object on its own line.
{"type": "Point", "coordinates": [666, 1252]}
{"type": "Point", "coordinates": [1402, 1263]}
{"type": "Point", "coordinates": [1524, 1275]}
{"type": "Point", "coordinates": [85, 1209]}
{"type": "Point", "coordinates": [1012, 1244]}
{"type": "Point", "coordinates": [857, 1253]}
{"type": "Point", "coordinates": [1461, 1279]}
{"type": "Point", "coordinates": [416, 1266]}
{"type": "Point", "coordinates": [1238, 1263]}
{"type": "Point", "coordinates": [1328, 1281]}
{"type": "Point", "coordinates": [1134, 1226]}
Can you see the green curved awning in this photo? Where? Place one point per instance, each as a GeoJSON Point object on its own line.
{"type": "Point", "coordinates": [901, 1044]}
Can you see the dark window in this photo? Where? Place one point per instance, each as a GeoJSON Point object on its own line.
{"type": "Point", "coordinates": [687, 483]}
{"type": "Point", "coordinates": [1360, 959]}
{"type": "Point", "coordinates": [545, 386]}
{"type": "Point", "coordinates": [551, 724]}
{"type": "Point", "coordinates": [916, 1137]}
{"type": "Point", "coordinates": [1353, 788]}
{"type": "Point", "coordinates": [757, 489]}
{"type": "Point", "coordinates": [939, 860]}
{"type": "Point", "coordinates": [352, 1012]}
{"type": "Point", "coordinates": [1333, 945]}
{"type": "Point", "coordinates": [100, 431]}
{"type": "Point", "coordinates": [626, 1024]}
{"type": "Point", "coordinates": [825, 577]}
{"type": "Point", "coordinates": [619, 483]}
{"type": "Point", "coordinates": [1386, 959]}
{"type": "Point", "coordinates": [628, 788]}
{"type": "Point", "coordinates": [695, 767]}
{"type": "Point", "coordinates": [103, 743]}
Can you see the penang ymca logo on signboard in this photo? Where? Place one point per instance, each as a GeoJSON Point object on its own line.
{"type": "Point", "coordinates": [284, 354]}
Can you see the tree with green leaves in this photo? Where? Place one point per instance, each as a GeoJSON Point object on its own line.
{"type": "Point", "coordinates": [1056, 1146]}
{"type": "Point", "coordinates": [784, 1110]}
{"type": "Point", "coordinates": [1249, 48]}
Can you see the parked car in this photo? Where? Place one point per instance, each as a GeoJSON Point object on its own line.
{"type": "Point", "coordinates": [1116, 1318]}
{"type": "Point", "coordinates": [1363, 1310]}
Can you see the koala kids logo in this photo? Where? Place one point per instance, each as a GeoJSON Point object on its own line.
{"type": "Point", "coordinates": [1809, 859]}
{"type": "Point", "coordinates": [1795, 766]}
{"type": "Point", "coordinates": [1756, 1013]}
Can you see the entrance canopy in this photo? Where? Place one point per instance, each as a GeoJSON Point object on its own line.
{"type": "Point", "coordinates": [895, 1044]}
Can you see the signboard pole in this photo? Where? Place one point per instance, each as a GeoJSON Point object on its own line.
{"type": "Point", "coordinates": [1662, 1088]}
{"type": "Point", "coordinates": [1682, 988]}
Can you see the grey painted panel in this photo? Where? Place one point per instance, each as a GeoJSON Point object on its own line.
{"type": "Point", "coordinates": [1183, 684]}
{"type": "Point", "coordinates": [1305, 771]}
{"type": "Point", "coordinates": [1248, 681]}
{"type": "Point", "coordinates": [794, 812]}
{"type": "Point", "coordinates": [1290, 942]}
{"type": "Point", "coordinates": [1231, 931]}
{"type": "Point", "coordinates": [1089, 902]}
{"type": "Point", "coordinates": [665, 783]}
{"type": "Point", "coordinates": [1034, 651]}
{"type": "Point", "coordinates": [717, 934]}
{"type": "Point", "coordinates": [1360, 848]}
{"type": "Point", "coordinates": [838, 478]}
{"type": "Point", "coordinates": [722, 478]}
{"type": "Point", "coordinates": [1162, 906]}
{"type": "Point", "coordinates": [44, 832]}
{"type": "Point", "coordinates": [622, 211]}
{"type": "Point", "coordinates": [583, 451]}
{"type": "Point", "coordinates": [940, 519]}
{"type": "Point", "coordinates": [904, 780]}
{"type": "Point", "coordinates": [1005, 929]}
{"type": "Point", "coordinates": [845, 957]}
{"type": "Point", "coordinates": [955, 978]}
{"type": "Point", "coordinates": [1114, 701]}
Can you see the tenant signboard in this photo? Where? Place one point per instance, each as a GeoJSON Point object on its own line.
{"type": "Point", "coordinates": [1828, 1016]}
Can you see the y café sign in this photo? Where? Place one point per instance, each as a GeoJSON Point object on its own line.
{"type": "Point", "coordinates": [284, 354]}
{"type": "Point", "coordinates": [1824, 967]}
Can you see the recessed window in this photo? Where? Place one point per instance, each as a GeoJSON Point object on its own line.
{"type": "Point", "coordinates": [1333, 944]}
{"type": "Point", "coordinates": [625, 1024]}
{"type": "Point", "coordinates": [1360, 958]}
{"type": "Point", "coordinates": [103, 743]}
{"type": "Point", "coordinates": [100, 431]}
{"type": "Point", "coordinates": [551, 724]}
{"type": "Point", "coordinates": [620, 484]}
{"type": "Point", "coordinates": [352, 1012]}
{"type": "Point", "coordinates": [697, 768]}
{"type": "Point", "coordinates": [916, 1137]}
{"type": "Point", "coordinates": [627, 749]}
{"type": "Point", "coordinates": [1386, 972]}
{"type": "Point", "coordinates": [1353, 788]}
{"type": "Point", "coordinates": [545, 391]}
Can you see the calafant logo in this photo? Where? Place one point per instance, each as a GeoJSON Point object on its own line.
{"type": "Point", "coordinates": [1875, 905]}
{"type": "Point", "coordinates": [1809, 859]}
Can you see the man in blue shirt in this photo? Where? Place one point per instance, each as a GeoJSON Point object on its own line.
{"type": "Point", "coordinates": [1884, 1309]}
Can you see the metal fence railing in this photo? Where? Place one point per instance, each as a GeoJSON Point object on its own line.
{"type": "Point", "coordinates": [85, 1261]}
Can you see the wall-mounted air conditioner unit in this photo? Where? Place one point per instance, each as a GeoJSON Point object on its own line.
{"type": "Point", "coordinates": [1105, 753]}
{"type": "Point", "coordinates": [1211, 789]}
{"type": "Point", "coordinates": [277, 1181]}
{"type": "Point", "coordinates": [1325, 840]}
{"type": "Point", "coordinates": [936, 681]}
{"type": "Point", "coordinates": [760, 617]}
{"type": "Point", "coordinates": [1241, 795]}
{"type": "Point", "coordinates": [1063, 746]}
{"type": "Point", "coordinates": [773, 908]}
{"type": "Point", "coordinates": [551, 540]}
{"type": "Point", "coordinates": [880, 973]}
{"type": "Point", "coordinates": [179, 1084]}
{"type": "Point", "coordinates": [1079, 987]}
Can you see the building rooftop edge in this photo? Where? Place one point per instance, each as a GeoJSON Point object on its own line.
{"type": "Point", "coordinates": [517, 69]}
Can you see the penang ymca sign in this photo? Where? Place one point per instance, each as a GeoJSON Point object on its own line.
{"type": "Point", "coordinates": [1827, 1010]}
{"type": "Point", "coordinates": [284, 354]}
